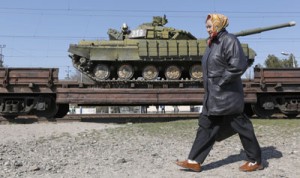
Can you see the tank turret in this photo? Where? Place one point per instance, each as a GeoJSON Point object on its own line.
{"type": "Point", "coordinates": [152, 51]}
{"type": "Point", "coordinates": [152, 30]}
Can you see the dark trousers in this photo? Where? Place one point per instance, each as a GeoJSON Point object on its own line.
{"type": "Point", "coordinates": [212, 128]}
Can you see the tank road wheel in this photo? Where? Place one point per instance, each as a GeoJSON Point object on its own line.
{"type": "Point", "coordinates": [196, 72]}
{"type": "Point", "coordinates": [150, 72]}
{"type": "Point", "coordinates": [101, 71]}
{"type": "Point", "coordinates": [125, 71]}
{"type": "Point", "coordinates": [83, 60]}
{"type": "Point", "coordinates": [173, 72]}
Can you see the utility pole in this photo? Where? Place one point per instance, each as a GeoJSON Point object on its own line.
{"type": "Point", "coordinates": [291, 55]}
{"type": "Point", "coordinates": [1, 55]}
{"type": "Point", "coordinates": [68, 73]}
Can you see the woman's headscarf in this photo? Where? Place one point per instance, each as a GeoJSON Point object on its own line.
{"type": "Point", "coordinates": [219, 22]}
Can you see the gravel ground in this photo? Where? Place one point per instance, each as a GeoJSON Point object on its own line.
{"type": "Point", "coordinates": [141, 150]}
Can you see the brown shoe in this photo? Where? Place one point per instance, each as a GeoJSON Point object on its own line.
{"type": "Point", "coordinates": [192, 166]}
{"type": "Point", "coordinates": [249, 166]}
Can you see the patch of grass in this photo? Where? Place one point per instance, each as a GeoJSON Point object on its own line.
{"type": "Point", "coordinates": [186, 128]}
{"type": "Point", "coordinates": [151, 129]}
{"type": "Point", "coordinates": [284, 123]}
{"type": "Point", "coordinates": [189, 126]}
{"type": "Point", "coordinates": [171, 126]}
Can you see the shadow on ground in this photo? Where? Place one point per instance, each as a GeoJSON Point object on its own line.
{"type": "Point", "coordinates": [269, 152]}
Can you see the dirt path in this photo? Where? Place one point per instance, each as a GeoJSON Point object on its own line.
{"type": "Point", "coordinates": [138, 150]}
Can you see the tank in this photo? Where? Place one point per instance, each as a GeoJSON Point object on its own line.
{"type": "Point", "coordinates": [152, 51]}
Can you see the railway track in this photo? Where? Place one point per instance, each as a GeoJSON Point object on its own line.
{"type": "Point", "coordinates": [105, 118]}
{"type": "Point", "coordinates": [115, 118]}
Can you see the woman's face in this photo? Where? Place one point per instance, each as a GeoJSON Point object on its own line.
{"type": "Point", "coordinates": [209, 27]}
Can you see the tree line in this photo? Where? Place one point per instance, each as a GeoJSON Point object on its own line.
{"type": "Point", "coordinates": [273, 61]}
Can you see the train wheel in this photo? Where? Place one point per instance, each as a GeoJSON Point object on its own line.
{"type": "Point", "coordinates": [101, 71]}
{"type": "Point", "coordinates": [50, 108]}
{"type": "Point", "coordinates": [63, 109]}
{"type": "Point", "coordinates": [291, 115]}
{"type": "Point", "coordinates": [150, 72]}
{"type": "Point", "coordinates": [248, 110]}
{"type": "Point", "coordinates": [10, 118]}
{"type": "Point", "coordinates": [196, 72]}
{"type": "Point", "coordinates": [173, 72]}
{"type": "Point", "coordinates": [125, 71]}
{"type": "Point", "coordinates": [261, 112]}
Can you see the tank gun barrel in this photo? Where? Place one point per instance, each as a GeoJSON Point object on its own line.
{"type": "Point", "coordinates": [259, 30]}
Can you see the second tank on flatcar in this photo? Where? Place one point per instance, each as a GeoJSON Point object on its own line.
{"type": "Point", "coordinates": [149, 52]}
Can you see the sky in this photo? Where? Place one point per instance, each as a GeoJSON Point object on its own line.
{"type": "Point", "coordinates": [37, 33]}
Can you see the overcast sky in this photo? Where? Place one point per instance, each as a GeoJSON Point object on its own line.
{"type": "Point", "coordinates": [37, 33]}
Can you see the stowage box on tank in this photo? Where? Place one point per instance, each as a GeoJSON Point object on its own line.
{"type": "Point", "coordinates": [149, 52]}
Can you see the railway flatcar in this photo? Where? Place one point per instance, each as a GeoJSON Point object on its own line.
{"type": "Point", "coordinates": [38, 92]}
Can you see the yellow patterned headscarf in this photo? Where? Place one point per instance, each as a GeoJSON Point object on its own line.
{"type": "Point", "coordinates": [219, 21]}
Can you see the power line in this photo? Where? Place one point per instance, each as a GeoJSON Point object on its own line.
{"type": "Point", "coordinates": [68, 73]}
{"type": "Point", "coordinates": [109, 12]}
{"type": "Point", "coordinates": [282, 15]}
{"type": "Point", "coordinates": [143, 11]}
{"type": "Point", "coordinates": [106, 38]}
{"type": "Point", "coordinates": [146, 16]}
{"type": "Point", "coordinates": [23, 56]}
{"type": "Point", "coordinates": [51, 37]}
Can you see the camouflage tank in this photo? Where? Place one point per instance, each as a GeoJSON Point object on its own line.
{"type": "Point", "coordinates": [150, 52]}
